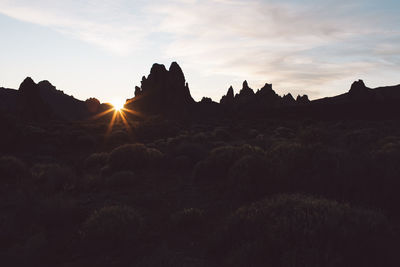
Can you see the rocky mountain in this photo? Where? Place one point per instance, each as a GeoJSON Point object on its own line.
{"type": "Point", "coordinates": [162, 92]}
{"type": "Point", "coordinates": [63, 105]}
{"type": "Point", "coordinates": [166, 92]}
{"type": "Point", "coordinates": [42, 101]}
{"type": "Point", "coordinates": [264, 98]}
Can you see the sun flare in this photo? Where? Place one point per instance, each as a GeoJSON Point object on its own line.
{"type": "Point", "coordinates": [118, 104]}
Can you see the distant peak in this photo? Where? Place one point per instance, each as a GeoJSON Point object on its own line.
{"type": "Point", "coordinates": [27, 83]}
{"type": "Point", "coordinates": [28, 80]}
{"type": "Point", "coordinates": [45, 82]}
{"type": "Point", "coordinates": [157, 68]}
{"type": "Point", "coordinates": [175, 67]}
{"type": "Point", "coordinates": [245, 84]}
{"type": "Point", "coordinates": [358, 87]}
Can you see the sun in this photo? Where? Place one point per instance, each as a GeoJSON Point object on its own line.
{"type": "Point", "coordinates": [119, 114]}
{"type": "Point", "coordinates": [118, 104]}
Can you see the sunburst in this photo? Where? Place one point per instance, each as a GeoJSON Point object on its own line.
{"type": "Point", "coordinates": [119, 114]}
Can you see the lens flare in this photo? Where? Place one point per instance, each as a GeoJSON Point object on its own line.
{"type": "Point", "coordinates": [118, 104]}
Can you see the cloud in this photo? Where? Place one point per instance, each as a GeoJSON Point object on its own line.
{"type": "Point", "coordinates": [107, 24]}
{"type": "Point", "coordinates": [275, 41]}
{"type": "Point", "coordinates": [297, 45]}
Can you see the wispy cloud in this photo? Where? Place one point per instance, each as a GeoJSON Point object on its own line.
{"type": "Point", "coordinates": [295, 44]}
{"type": "Point", "coordinates": [108, 24]}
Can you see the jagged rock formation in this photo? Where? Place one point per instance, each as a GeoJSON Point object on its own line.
{"type": "Point", "coordinates": [42, 101]}
{"type": "Point", "coordinates": [228, 98]}
{"type": "Point", "coordinates": [265, 97]}
{"type": "Point", "coordinates": [64, 106]}
{"type": "Point", "coordinates": [30, 104]}
{"type": "Point", "coordinates": [302, 99]}
{"type": "Point", "coordinates": [162, 92]}
{"type": "Point", "coordinates": [166, 92]}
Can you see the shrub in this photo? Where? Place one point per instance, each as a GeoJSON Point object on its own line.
{"type": "Point", "coordinates": [112, 224]}
{"type": "Point", "coordinates": [284, 132]}
{"type": "Point", "coordinates": [221, 134]}
{"type": "Point", "coordinates": [187, 218]}
{"type": "Point", "coordinates": [58, 211]}
{"type": "Point", "coordinates": [118, 137]}
{"type": "Point", "coordinates": [290, 158]}
{"type": "Point", "coordinates": [121, 179]}
{"type": "Point", "coordinates": [12, 170]}
{"type": "Point", "coordinates": [96, 161]}
{"type": "Point", "coordinates": [133, 157]}
{"type": "Point", "coordinates": [221, 159]}
{"type": "Point", "coordinates": [200, 137]}
{"type": "Point", "coordinates": [194, 152]}
{"type": "Point", "coordinates": [251, 176]}
{"type": "Point", "coordinates": [156, 129]}
{"type": "Point", "coordinates": [294, 230]}
{"type": "Point", "coordinates": [54, 177]}
{"type": "Point", "coordinates": [252, 133]}
{"type": "Point", "coordinates": [85, 141]}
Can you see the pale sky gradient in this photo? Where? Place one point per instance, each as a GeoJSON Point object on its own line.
{"type": "Point", "coordinates": [102, 48]}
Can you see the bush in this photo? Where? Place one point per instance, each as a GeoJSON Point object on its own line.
{"type": "Point", "coordinates": [283, 132]}
{"type": "Point", "coordinates": [193, 152]}
{"type": "Point", "coordinates": [187, 219]}
{"type": "Point", "coordinates": [217, 164]}
{"type": "Point", "coordinates": [221, 134]}
{"type": "Point", "coordinates": [54, 177]}
{"type": "Point", "coordinates": [96, 161]}
{"type": "Point", "coordinates": [119, 137]}
{"type": "Point", "coordinates": [294, 230]}
{"type": "Point", "coordinates": [290, 159]}
{"type": "Point", "coordinates": [85, 141]}
{"type": "Point", "coordinates": [112, 224]}
{"type": "Point", "coordinates": [59, 212]}
{"type": "Point", "coordinates": [251, 176]}
{"type": "Point", "coordinates": [121, 179]}
{"type": "Point", "coordinates": [12, 170]}
{"type": "Point", "coordinates": [133, 157]}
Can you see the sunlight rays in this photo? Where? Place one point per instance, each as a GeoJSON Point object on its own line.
{"type": "Point", "coordinates": [120, 114]}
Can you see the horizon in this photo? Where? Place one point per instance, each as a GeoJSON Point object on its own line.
{"type": "Point", "coordinates": [119, 102]}
{"type": "Point", "coordinates": [102, 49]}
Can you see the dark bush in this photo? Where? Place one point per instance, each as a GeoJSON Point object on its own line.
{"type": "Point", "coordinates": [155, 129]}
{"type": "Point", "coordinates": [290, 158]}
{"type": "Point", "coordinates": [96, 161]}
{"type": "Point", "coordinates": [113, 224]}
{"type": "Point", "coordinates": [119, 137]}
{"type": "Point", "coordinates": [12, 170]}
{"type": "Point", "coordinates": [85, 141]}
{"type": "Point", "coordinates": [188, 219]}
{"type": "Point", "coordinates": [294, 230]}
{"type": "Point", "coordinates": [194, 152]}
{"type": "Point", "coordinates": [121, 179]}
{"type": "Point", "coordinates": [218, 162]}
{"type": "Point", "coordinates": [252, 176]}
{"type": "Point", "coordinates": [221, 134]}
{"type": "Point", "coordinates": [133, 157]}
{"type": "Point", "coordinates": [284, 132]}
{"type": "Point", "coordinates": [53, 177]}
{"type": "Point", "coordinates": [59, 212]}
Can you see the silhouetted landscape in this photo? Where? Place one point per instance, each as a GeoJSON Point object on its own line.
{"type": "Point", "coordinates": [257, 179]}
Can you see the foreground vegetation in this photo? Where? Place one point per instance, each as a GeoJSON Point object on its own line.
{"type": "Point", "coordinates": [164, 193]}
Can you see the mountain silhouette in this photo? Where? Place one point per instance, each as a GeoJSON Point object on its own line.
{"type": "Point", "coordinates": [42, 101]}
{"type": "Point", "coordinates": [30, 104]}
{"type": "Point", "coordinates": [162, 92]}
{"type": "Point", "coordinates": [166, 93]}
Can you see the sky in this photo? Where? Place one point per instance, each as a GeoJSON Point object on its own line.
{"type": "Point", "coordinates": [103, 48]}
